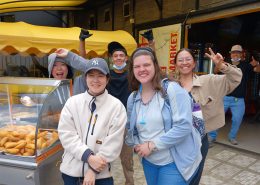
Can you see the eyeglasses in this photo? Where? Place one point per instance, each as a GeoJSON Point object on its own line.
{"type": "Point", "coordinates": [187, 59]}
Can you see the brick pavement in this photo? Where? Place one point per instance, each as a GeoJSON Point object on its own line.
{"type": "Point", "coordinates": [224, 166]}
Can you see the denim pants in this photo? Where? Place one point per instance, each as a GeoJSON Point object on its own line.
{"type": "Point", "coordinates": [237, 108]}
{"type": "Point", "coordinates": [69, 180]}
{"type": "Point", "coordinates": [204, 151]}
{"type": "Point", "coordinates": [162, 175]}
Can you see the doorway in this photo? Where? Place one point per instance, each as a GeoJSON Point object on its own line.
{"type": "Point", "coordinates": [221, 34]}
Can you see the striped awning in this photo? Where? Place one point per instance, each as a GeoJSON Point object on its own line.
{"type": "Point", "coordinates": [28, 39]}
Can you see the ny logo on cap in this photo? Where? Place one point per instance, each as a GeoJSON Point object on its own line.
{"type": "Point", "coordinates": [95, 62]}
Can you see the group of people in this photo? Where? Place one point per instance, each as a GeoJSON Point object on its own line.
{"type": "Point", "coordinates": [132, 109]}
{"type": "Point", "coordinates": [235, 101]}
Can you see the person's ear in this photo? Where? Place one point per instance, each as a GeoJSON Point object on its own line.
{"type": "Point", "coordinates": [126, 58]}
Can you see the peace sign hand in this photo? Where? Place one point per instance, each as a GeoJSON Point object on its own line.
{"type": "Point", "coordinates": [216, 58]}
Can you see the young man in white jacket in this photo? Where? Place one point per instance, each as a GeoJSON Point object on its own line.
{"type": "Point", "coordinates": [91, 130]}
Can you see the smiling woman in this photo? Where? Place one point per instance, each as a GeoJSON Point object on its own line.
{"type": "Point", "coordinates": [91, 130]}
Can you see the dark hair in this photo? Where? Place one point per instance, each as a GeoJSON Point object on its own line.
{"type": "Point", "coordinates": [185, 49]}
{"type": "Point", "coordinates": [70, 73]}
{"type": "Point", "coordinates": [115, 46]}
{"type": "Point", "coordinates": [133, 82]}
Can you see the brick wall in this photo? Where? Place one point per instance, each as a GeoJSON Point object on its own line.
{"type": "Point", "coordinates": [146, 11]}
{"type": "Point", "coordinates": [121, 22]}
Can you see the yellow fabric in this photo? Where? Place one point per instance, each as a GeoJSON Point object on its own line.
{"type": "Point", "coordinates": [14, 5]}
{"type": "Point", "coordinates": [39, 40]}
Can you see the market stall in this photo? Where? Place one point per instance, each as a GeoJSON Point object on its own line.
{"type": "Point", "coordinates": [30, 150]}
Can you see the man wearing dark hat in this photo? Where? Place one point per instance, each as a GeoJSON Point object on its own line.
{"type": "Point", "coordinates": [235, 100]}
{"type": "Point", "coordinates": [117, 86]}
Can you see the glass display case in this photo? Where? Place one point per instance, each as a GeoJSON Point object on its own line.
{"type": "Point", "coordinates": [29, 144]}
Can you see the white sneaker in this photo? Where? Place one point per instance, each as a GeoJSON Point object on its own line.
{"type": "Point", "coordinates": [233, 141]}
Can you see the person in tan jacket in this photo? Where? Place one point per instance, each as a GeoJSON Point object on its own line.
{"type": "Point", "coordinates": [207, 91]}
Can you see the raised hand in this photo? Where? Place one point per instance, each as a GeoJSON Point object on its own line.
{"type": "Point", "coordinates": [61, 52]}
{"type": "Point", "coordinates": [148, 35]}
{"type": "Point", "coordinates": [84, 34]}
{"type": "Point", "coordinates": [216, 58]}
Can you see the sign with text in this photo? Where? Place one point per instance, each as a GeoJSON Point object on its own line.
{"type": "Point", "coordinates": [167, 43]}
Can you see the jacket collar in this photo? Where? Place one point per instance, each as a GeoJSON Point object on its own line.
{"type": "Point", "coordinates": [138, 96]}
{"type": "Point", "coordinates": [99, 99]}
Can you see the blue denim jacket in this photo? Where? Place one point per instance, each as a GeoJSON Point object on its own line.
{"type": "Point", "coordinates": [180, 136]}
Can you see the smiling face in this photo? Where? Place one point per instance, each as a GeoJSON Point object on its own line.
{"type": "Point", "coordinates": [185, 63]}
{"type": "Point", "coordinates": [59, 70]}
{"type": "Point", "coordinates": [119, 58]}
{"type": "Point", "coordinates": [96, 82]}
{"type": "Point", "coordinates": [143, 69]}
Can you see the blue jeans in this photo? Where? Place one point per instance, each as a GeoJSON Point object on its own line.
{"type": "Point", "coordinates": [237, 107]}
{"type": "Point", "coordinates": [162, 175]}
{"type": "Point", "coordinates": [69, 180]}
{"type": "Point", "coordinates": [204, 151]}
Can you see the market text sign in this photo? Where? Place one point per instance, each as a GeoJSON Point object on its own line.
{"type": "Point", "coordinates": [167, 43]}
{"type": "Point", "coordinates": [173, 50]}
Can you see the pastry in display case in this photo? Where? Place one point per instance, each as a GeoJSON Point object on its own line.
{"type": "Point", "coordinates": [29, 111]}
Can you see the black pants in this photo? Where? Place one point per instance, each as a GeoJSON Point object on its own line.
{"type": "Point", "coordinates": [68, 180]}
{"type": "Point", "coordinates": [204, 151]}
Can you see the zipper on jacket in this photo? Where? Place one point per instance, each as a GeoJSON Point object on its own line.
{"type": "Point", "coordinates": [89, 123]}
{"type": "Point", "coordinates": [92, 107]}
{"type": "Point", "coordinates": [93, 127]}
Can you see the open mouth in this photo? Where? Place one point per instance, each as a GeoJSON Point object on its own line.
{"type": "Point", "coordinates": [59, 74]}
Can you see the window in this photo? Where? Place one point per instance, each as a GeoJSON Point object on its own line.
{"type": "Point", "coordinates": [126, 9]}
{"type": "Point", "coordinates": [107, 15]}
{"type": "Point", "coordinates": [92, 22]}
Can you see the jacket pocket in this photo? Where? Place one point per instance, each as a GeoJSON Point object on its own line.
{"type": "Point", "coordinates": [208, 101]}
{"type": "Point", "coordinates": [208, 107]}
